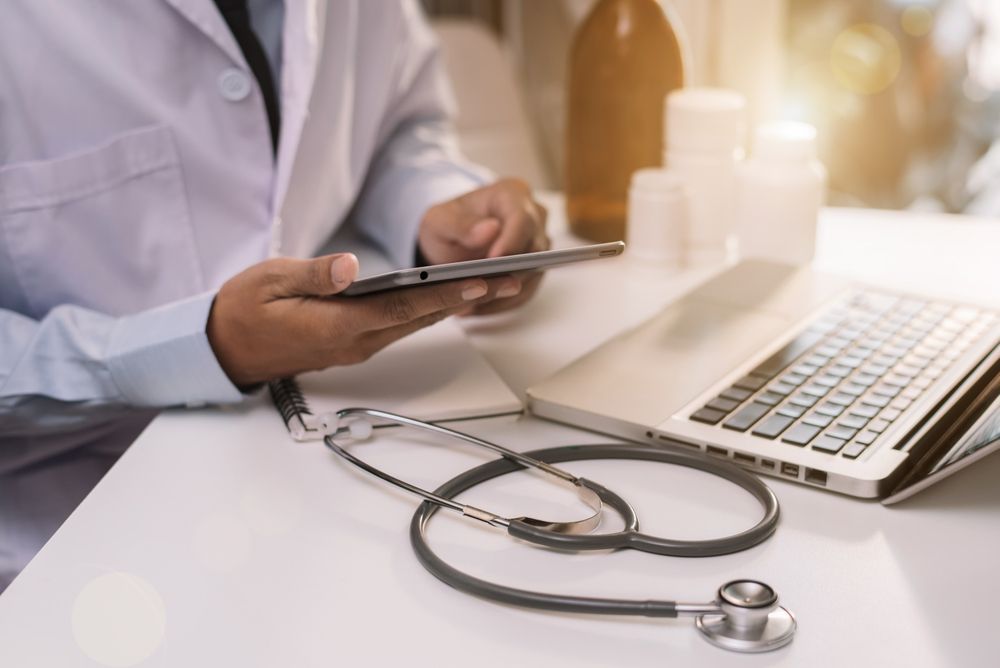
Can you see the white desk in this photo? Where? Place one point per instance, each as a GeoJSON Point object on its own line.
{"type": "Point", "coordinates": [250, 550]}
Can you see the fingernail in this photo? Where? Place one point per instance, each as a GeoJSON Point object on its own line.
{"type": "Point", "coordinates": [341, 269]}
{"type": "Point", "coordinates": [473, 291]}
{"type": "Point", "coordinates": [509, 290]}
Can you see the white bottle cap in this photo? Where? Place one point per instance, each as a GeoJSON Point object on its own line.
{"type": "Point", "coordinates": [705, 119]}
{"type": "Point", "coordinates": [657, 217]}
{"type": "Point", "coordinates": [785, 141]}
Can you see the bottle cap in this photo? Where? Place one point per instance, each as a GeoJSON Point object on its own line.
{"type": "Point", "coordinates": [705, 119]}
{"type": "Point", "coordinates": [785, 141]}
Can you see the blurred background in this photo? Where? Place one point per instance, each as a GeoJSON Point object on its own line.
{"type": "Point", "coordinates": [905, 93]}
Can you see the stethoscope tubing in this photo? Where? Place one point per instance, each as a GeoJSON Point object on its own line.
{"type": "Point", "coordinates": [630, 538]}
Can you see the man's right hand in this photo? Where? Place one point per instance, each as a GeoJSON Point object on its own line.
{"type": "Point", "coordinates": [280, 317]}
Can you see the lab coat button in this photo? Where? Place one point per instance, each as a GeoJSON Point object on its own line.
{"type": "Point", "coordinates": [234, 85]}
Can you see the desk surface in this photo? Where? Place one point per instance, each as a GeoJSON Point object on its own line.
{"type": "Point", "coordinates": [216, 541]}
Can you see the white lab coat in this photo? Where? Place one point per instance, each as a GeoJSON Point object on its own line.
{"type": "Point", "coordinates": [134, 144]}
{"type": "Point", "coordinates": [137, 175]}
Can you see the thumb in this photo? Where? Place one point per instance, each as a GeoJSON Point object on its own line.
{"type": "Point", "coordinates": [320, 276]}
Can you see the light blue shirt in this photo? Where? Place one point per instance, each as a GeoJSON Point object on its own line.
{"type": "Point", "coordinates": [122, 213]}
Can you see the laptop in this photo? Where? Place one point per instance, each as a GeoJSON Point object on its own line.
{"type": "Point", "coordinates": [800, 375]}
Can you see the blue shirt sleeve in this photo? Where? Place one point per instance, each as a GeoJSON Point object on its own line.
{"type": "Point", "coordinates": [156, 358]}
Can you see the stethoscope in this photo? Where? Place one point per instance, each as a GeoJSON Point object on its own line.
{"type": "Point", "coordinates": [745, 615]}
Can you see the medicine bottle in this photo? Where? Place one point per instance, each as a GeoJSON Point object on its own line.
{"type": "Point", "coordinates": [657, 218]}
{"type": "Point", "coordinates": [705, 135]}
{"type": "Point", "coordinates": [780, 190]}
{"type": "Point", "coordinates": [625, 57]}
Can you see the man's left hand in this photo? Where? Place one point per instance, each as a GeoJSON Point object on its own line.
{"type": "Point", "coordinates": [499, 219]}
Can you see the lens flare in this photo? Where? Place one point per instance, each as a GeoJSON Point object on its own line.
{"type": "Point", "coordinates": [865, 58]}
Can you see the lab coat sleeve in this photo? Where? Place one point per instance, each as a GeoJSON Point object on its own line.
{"type": "Point", "coordinates": [156, 358]}
{"type": "Point", "coordinates": [418, 163]}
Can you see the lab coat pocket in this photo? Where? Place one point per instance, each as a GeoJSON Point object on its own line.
{"type": "Point", "coordinates": [107, 228]}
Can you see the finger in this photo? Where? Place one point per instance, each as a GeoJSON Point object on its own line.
{"type": "Point", "coordinates": [318, 277]}
{"type": "Point", "coordinates": [397, 307]}
{"type": "Point", "coordinates": [529, 286]}
{"type": "Point", "coordinates": [523, 231]}
{"type": "Point", "coordinates": [378, 339]}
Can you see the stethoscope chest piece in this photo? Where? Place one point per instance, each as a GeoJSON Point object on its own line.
{"type": "Point", "coordinates": [749, 619]}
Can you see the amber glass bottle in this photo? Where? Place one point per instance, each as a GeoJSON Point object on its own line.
{"type": "Point", "coordinates": [625, 58]}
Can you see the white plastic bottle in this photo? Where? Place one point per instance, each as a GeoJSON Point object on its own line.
{"type": "Point", "coordinates": [705, 135]}
{"type": "Point", "coordinates": [657, 227]}
{"type": "Point", "coordinates": [780, 191]}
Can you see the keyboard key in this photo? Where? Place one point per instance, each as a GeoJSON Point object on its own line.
{"type": "Point", "coordinates": [804, 370]}
{"type": "Point", "coordinates": [800, 434]}
{"type": "Point", "coordinates": [897, 380]}
{"type": "Point", "coordinates": [752, 383]}
{"type": "Point", "coordinates": [827, 380]}
{"type": "Point", "coordinates": [793, 379]}
{"type": "Point", "coordinates": [853, 421]}
{"type": "Point", "coordinates": [736, 394]}
{"type": "Point", "coordinates": [876, 400]}
{"type": "Point", "coordinates": [890, 414]}
{"type": "Point", "coordinates": [769, 398]}
{"type": "Point", "coordinates": [842, 399]}
{"type": "Point", "coordinates": [878, 426]}
{"type": "Point", "coordinates": [787, 354]}
{"type": "Point", "coordinates": [707, 415]}
{"type": "Point", "coordinates": [839, 370]}
{"type": "Point", "coordinates": [867, 412]}
{"type": "Point", "coordinates": [831, 409]}
{"type": "Point", "coordinates": [722, 404]}
{"type": "Point", "coordinates": [817, 419]}
{"type": "Point", "coordinates": [828, 444]}
{"type": "Point", "coordinates": [866, 438]}
{"type": "Point", "coordinates": [851, 361]}
{"type": "Point", "coordinates": [854, 450]}
{"type": "Point", "coordinates": [852, 389]}
{"type": "Point", "coordinates": [772, 426]}
{"type": "Point", "coordinates": [874, 369]}
{"type": "Point", "coordinates": [841, 432]}
{"type": "Point", "coordinates": [784, 389]}
{"type": "Point", "coordinates": [900, 404]}
{"type": "Point", "coordinates": [791, 410]}
{"type": "Point", "coordinates": [818, 360]}
{"type": "Point", "coordinates": [742, 419]}
{"type": "Point", "coordinates": [886, 390]}
{"type": "Point", "coordinates": [864, 379]}
{"type": "Point", "coordinates": [815, 390]}
{"type": "Point", "coordinates": [805, 400]}
{"type": "Point", "coordinates": [885, 360]}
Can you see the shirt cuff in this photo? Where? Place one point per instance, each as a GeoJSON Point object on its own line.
{"type": "Point", "coordinates": [162, 357]}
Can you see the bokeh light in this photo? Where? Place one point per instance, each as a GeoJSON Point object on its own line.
{"type": "Point", "coordinates": [916, 20]}
{"type": "Point", "coordinates": [865, 58]}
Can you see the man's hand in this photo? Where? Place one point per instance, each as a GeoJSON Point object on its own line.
{"type": "Point", "coordinates": [280, 317]}
{"type": "Point", "coordinates": [500, 219]}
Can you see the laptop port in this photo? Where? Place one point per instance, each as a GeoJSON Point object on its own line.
{"type": "Point", "coordinates": [767, 464]}
{"type": "Point", "coordinates": [674, 441]}
{"type": "Point", "coordinates": [717, 452]}
{"type": "Point", "coordinates": [816, 477]}
{"type": "Point", "coordinates": [743, 459]}
{"type": "Point", "coordinates": [790, 469]}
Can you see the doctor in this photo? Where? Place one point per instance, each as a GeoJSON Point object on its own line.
{"type": "Point", "coordinates": [167, 170]}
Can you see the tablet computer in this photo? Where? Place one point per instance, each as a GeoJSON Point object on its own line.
{"type": "Point", "coordinates": [486, 268]}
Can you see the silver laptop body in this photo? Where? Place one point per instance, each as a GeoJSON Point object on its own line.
{"type": "Point", "coordinates": [787, 372]}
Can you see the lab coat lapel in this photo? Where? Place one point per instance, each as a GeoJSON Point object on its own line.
{"type": "Point", "coordinates": [305, 22]}
{"type": "Point", "coordinates": [205, 16]}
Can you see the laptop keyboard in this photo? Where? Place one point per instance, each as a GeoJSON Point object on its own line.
{"type": "Point", "coordinates": [856, 369]}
